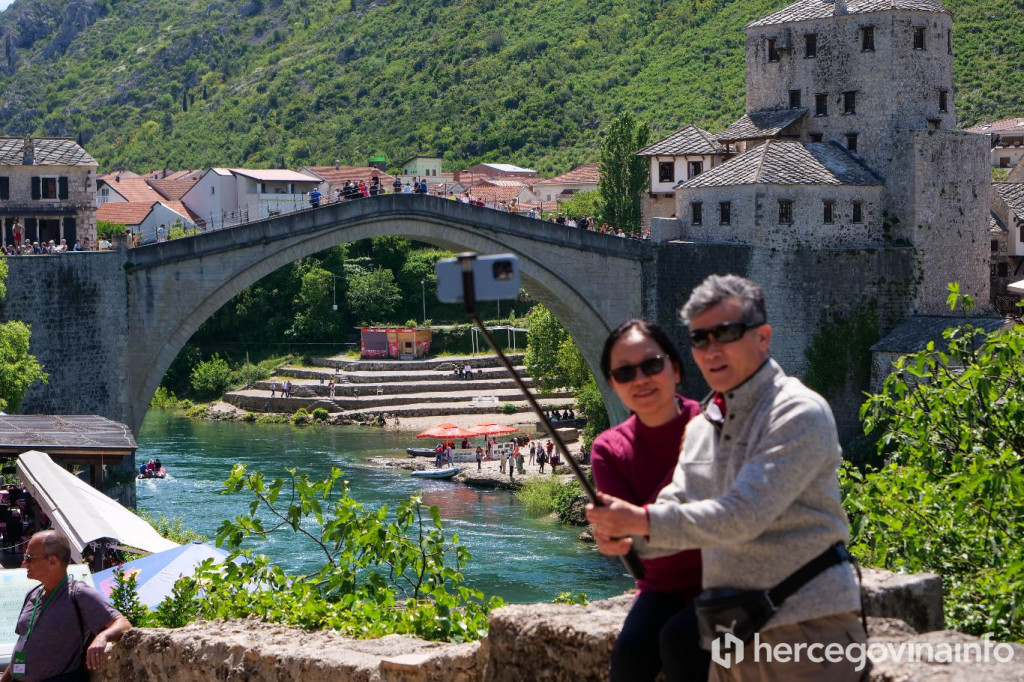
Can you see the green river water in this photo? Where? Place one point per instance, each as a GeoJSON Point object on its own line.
{"type": "Point", "coordinates": [517, 557]}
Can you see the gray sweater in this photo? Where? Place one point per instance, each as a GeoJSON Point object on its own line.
{"type": "Point", "coordinates": [759, 495]}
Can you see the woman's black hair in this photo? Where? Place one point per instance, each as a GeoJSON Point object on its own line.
{"type": "Point", "coordinates": [648, 329]}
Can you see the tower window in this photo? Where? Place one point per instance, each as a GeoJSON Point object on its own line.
{"type": "Point", "coordinates": [828, 212]}
{"type": "Point", "coordinates": [697, 213]}
{"type": "Point", "coordinates": [811, 45]}
{"type": "Point", "coordinates": [696, 168]}
{"type": "Point", "coordinates": [944, 101]}
{"type": "Point", "coordinates": [794, 99]}
{"type": "Point", "coordinates": [919, 37]}
{"type": "Point", "coordinates": [725, 213]}
{"type": "Point", "coordinates": [821, 104]}
{"type": "Point", "coordinates": [1002, 270]}
{"type": "Point", "coordinates": [816, 137]}
{"type": "Point", "coordinates": [851, 141]}
{"type": "Point", "coordinates": [785, 212]}
{"type": "Point", "coordinates": [666, 171]}
{"type": "Point", "coordinates": [858, 212]}
{"type": "Point", "coordinates": [867, 39]}
{"type": "Point", "coordinates": [850, 102]}
{"type": "Point", "coordinates": [949, 41]}
{"type": "Point", "coordinates": [773, 52]}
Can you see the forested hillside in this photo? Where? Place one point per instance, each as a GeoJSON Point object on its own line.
{"type": "Point", "coordinates": [196, 83]}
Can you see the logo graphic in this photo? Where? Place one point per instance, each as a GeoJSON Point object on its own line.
{"type": "Point", "coordinates": [727, 650]}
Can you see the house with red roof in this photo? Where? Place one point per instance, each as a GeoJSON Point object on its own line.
{"type": "Point", "coordinates": [1007, 138]}
{"type": "Point", "coordinates": [226, 196]}
{"type": "Point", "coordinates": [559, 188]}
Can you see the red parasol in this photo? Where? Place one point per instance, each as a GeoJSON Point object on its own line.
{"type": "Point", "coordinates": [491, 429]}
{"type": "Point", "coordinates": [446, 431]}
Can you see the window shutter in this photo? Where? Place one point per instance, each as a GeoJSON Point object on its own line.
{"type": "Point", "coordinates": [37, 192]}
{"type": "Point", "coordinates": [5, 188]}
{"type": "Point", "coordinates": [62, 187]}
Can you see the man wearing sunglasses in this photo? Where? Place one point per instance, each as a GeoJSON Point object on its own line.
{"type": "Point", "coordinates": [756, 489]}
{"type": "Point", "coordinates": [64, 624]}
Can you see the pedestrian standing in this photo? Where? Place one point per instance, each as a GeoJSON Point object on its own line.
{"type": "Point", "coordinates": [479, 458]}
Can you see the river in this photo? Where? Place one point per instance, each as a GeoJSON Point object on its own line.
{"type": "Point", "coordinates": [517, 557]}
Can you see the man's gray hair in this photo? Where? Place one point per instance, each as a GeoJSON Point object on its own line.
{"type": "Point", "coordinates": [717, 288]}
{"type": "Point", "coordinates": [56, 545]}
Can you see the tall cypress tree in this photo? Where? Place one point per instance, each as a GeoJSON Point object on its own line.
{"type": "Point", "coordinates": [623, 174]}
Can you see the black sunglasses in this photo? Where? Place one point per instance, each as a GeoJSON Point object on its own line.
{"type": "Point", "coordinates": [722, 333]}
{"type": "Point", "coordinates": [650, 367]}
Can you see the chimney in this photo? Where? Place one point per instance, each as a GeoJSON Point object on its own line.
{"type": "Point", "coordinates": [28, 149]}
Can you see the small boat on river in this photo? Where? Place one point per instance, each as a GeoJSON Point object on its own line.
{"type": "Point", "coordinates": [421, 452]}
{"type": "Point", "coordinates": [153, 473]}
{"type": "Point", "coordinates": [436, 473]}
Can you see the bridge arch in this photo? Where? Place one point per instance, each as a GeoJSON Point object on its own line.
{"type": "Point", "coordinates": [589, 281]}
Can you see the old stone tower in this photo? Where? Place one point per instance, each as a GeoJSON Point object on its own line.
{"type": "Point", "coordinates": [849, 140]}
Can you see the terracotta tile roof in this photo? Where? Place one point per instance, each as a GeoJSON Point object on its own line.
{"type": "Point", "coordinates": [184, 210]}
{"type": "Point", "coordinates": [1007, 125]}
{"type": "Point", "coordinates": [807, 10]}
{"type": "Point", "coordinates": [788, 163]}
{"type": "Point", "coordinates": [124, 212]}
{"type": "Point", "coordinates": [339, 175]}
{"type": "Point", "coordinates": [172, 189]}
{"type": "Point", "coordinates": [587, 174]}
{"type": "Point", "coordinates": [167, 174]}
{"type": "Point", "coordinates": [130, 186]}
{"type": "Point", "coordinates": [495, 195]}
{"type": "Point", "coordinates": [995, 225]}
{"type": "Point", "coordinates": [1013, 194]}
{"type": "Point", "coordinates": [501, 182]}
{"type": "Point", "coordinates": [688, 140]}
{"type": "Point", "coordinates": [49, 151]}
{"type": "Point", "coordinates": [760, 124]}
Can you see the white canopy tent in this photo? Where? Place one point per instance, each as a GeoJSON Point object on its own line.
{"type": "Point", "coordinates": [1016, 287]}
{"type": "Point", "coordinates": [81, 512]}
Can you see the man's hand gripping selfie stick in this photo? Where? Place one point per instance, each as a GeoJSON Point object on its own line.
{"type": "Point", "coordinates": [631, 561]}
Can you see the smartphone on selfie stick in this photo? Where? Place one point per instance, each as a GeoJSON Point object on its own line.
{"type": "Point", "coordinates": [467, 279]}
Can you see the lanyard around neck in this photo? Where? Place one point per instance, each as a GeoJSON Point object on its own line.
{"type": "Point", "coordinates": [49, 598]}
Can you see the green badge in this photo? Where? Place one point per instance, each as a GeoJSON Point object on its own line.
{"type": "Point", "coordinates": [18, 664]}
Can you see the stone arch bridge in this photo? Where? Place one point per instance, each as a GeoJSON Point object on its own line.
{"type": "Point", "coordinates": [140, 307]}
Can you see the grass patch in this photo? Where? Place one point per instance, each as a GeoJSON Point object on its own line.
{"type": "Point", "coordinates": [538, 495]}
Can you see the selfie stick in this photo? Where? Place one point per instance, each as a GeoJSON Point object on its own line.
{"type": "Point", "coordinates": [630, 560]}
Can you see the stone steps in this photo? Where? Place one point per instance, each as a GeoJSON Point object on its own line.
{"type": "Point", "coordinates": [474, 361]}
{"type": "Point", "coordinates": [304, 374]}
{"type": "Point", "coordinates": [257, 400]}
{"type": "Point", "coordinates": [314, 389]}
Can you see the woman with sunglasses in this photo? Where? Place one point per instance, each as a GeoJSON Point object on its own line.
{"type": "Point", "coordinates": [633, 461]}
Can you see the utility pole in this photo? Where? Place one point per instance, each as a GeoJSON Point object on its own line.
{"type": "Point", "coordinates": [423, 287]}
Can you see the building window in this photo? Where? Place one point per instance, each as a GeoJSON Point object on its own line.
{"type": "Point", "coordinates": [944, 101]}
{"type": "Point", "coordinates": [785, 212]}
{"type": "Point", "coordinates": [213, 190]}
{"type": "Point", "coordinates": [828, 212]}
{"type": "Point", "coordinates": [867, 39]}
{"type": "Point", "coordinates": [811, 45]}
{"type": "Point", "coordinates": [724, 213]}
{"type": "Point", "coordinates": [919, 37]}
{"type": "Point", "coordinates": [773, 52]}
{"type": "Point", "coordinates": [821, 104]}
{"type": "Point", "coordinates": [851, 141]}
{"type": "Point", "coordinates": [49, 188]}
{"type": "Point", "coordinates": [850, 102]}
{"type": "Point", "coordinates": [1002, 270]}
{"type": "Point", "coordinates": [858, 212]}
{"type": "Point", "coordinates": [666, 171]}
{"type": "Point", "coordinates": [816, 137]}
{"type": "Point", "coordinates": [696, 168]}
{"type": "Point", "coordinates": [995, 245]}
{"type": "Point", "coordinates": [1004, 162]}
{"type": "Point", "coordinates": [5, 188]}
{"type": "Point", "coordinates": [794, 99]}
{"type": "Point", "coordinates": [697, 213]}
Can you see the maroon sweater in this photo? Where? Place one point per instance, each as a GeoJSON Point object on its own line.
{"type": "Point", "coordinates": [633, 462]}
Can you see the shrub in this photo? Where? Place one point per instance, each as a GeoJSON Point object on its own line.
{"type": "Point", "coordinates": [301, 416]}
{"type": "Point", "coordinates": [509, 408]}
{"type": "Point", "coordinates": [320, 414]}
{"type": "Point", "coordinates": [538, 495]}
{"type": "Point", "coordinates": [211, 378]}
{"type": "Point", "coordinates": [570, 501]}
{"type": "Point", "coordinates": [164, 399]}
{"type": "Point", "coordinates": [570, 598]}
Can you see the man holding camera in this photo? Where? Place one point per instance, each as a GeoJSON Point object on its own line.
{"type": "Point", "coordinates": [756, 490]}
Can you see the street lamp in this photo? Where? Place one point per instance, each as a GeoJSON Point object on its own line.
{"type": "Point", "coordinates": [334, 282]}
{"type": "Point", "coordinates": [423, 287]}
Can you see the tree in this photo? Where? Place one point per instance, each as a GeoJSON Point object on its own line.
{"type": "Point", "coordinates": [623, 173]}
{"type": "Point", "coordinates": [315, 317]}
{"type": "Point", "coordinates": [949, 498]}
{"type": "Point", "coordinates": [373, 295]}
{"type": "Point", "coordinates": [545, 337]}
{"type": "Point", "coordinates": [19, 369]}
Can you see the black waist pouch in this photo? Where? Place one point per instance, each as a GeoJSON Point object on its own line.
{"type": "Point", "coordinates": [743, 613]}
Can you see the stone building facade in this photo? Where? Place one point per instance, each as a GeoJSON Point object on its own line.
{"type": "Point", "coordinates": [1006, 239]}
{"type": "Point", "coordinates": [49, 186]}
{"type": "Point", "coordinates": [849, 140]}
{"type": "Point", "coordinates": [683, 155]}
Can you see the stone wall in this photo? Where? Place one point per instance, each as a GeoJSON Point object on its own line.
{"type": "Point", "coordinates": [528, 643]}
{"type": "Point", "coordinates": [74, 303]}
{"type": "Point", "coordinates": [804, 290]}
{"type": "Point", "coordinates": [656, 205]}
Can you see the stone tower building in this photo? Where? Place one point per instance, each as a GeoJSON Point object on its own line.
{"type": "Point", "coordinates": [852, 101]}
